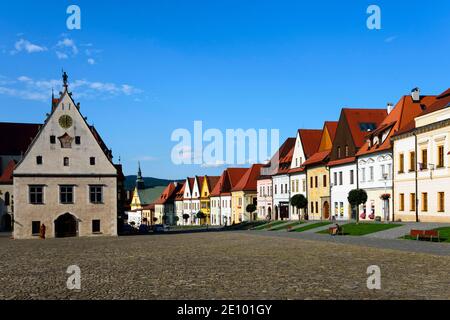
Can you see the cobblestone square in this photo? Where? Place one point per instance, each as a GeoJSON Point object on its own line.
{"type": "Point", "coordinates": [214, 265]}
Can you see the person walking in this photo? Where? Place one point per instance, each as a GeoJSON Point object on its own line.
{"type": "Point", "coordinates": [42, 231]}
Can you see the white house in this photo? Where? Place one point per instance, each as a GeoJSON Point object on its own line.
{"type": "Point", "coordinates": [352, 128]}
{"type": "Point", "coordinates": [306, 144]}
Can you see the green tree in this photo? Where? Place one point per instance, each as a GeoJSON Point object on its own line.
{"type": "Point", "coordinates": [250, 209]}
{"type": "Point", "coordinates": [357, 197]}
{"type": "Point", "coordinates": [185, 218]}
{"type": "Point", "coordinates": [176, 219]}
{"type": "Point", "coordinates": [201, 216]}
{"type": "Point", "coordinates": [300, 202]}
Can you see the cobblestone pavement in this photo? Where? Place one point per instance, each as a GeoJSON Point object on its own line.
{"type": "Point", "coordinates": [215, 265]}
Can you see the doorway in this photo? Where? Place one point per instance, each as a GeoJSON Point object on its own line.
{"type": "Point", "coordinates": [326, 210]}
{"type": "Point", "coordinates": [66, 226]}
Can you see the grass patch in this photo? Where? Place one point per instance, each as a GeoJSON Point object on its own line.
{"type": "Point", "coordinates": [269, 225]}
{"type": "Point", "coordinates": [293, 224]}
{"type": "Point", "coordinates": [444, 235]}
{"type": "Point", "coordinates": [312, 226]}
{"type": "Point", "coordinates": [361, 229]}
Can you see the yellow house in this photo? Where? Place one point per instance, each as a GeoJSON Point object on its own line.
{"type": "Point", "coordinates": [422, 166]}
{"type": "Point", "coordinates": [318, 175]}
{"type": "Point", "coordinates": [209, 182]}
{"type": "Point", "coordinates": [245, 193]}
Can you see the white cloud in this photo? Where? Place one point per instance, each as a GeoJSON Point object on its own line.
{"type": "Point", "coordinates": [390, 39]}
{"type": "Point", "coordinates": [27, 46]}
{"type": "Point", "coordinates": [91, 61]}
{"type": "Point", "coordinates": [61, 55]}
{"type": "Point", "coordinates": [25, 87]}
{"type": "Point", "coordinates": [67, 43]}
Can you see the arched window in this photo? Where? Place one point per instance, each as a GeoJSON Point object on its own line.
{"type": "Point", "coordinates": [7, 199]}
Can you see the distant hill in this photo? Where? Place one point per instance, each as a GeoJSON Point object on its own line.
{"type": "Point", "coordinates": [130, 182]}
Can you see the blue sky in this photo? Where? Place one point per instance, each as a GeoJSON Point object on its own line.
{"type": "Point", "coordinates": [142, 69]}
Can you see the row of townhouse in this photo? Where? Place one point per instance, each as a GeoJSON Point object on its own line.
{"type": "Point", "coordinates": [399, 155]}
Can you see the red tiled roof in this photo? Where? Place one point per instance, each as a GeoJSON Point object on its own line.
{"type": "Point", "coordinates": [229, 178]}
{"type": "Point", "coordinates": [7, 176]}
{"type": "Point", "coordinates": [310, 140]}
{"type": "Point", "coordinates": [150, 207]}
{"type": "Point", "coordinates": [331, 127]}
{"type": "Point", "coordinates": [169, 193]}
{"type": "Point", "coordinates": [212, 182]}
{"type": "Point", "coordinates": [442, 101]}
{"type": "Point", "coordinates": [401, 115]}
{"type": "Point", "coordinates": [180, 193]}
{"type": "Point", "coordinates": [341, 161]}
{"type": "Point", "coordinates": [356, 116]}
{"type": "Point", "coordinates": [296, 170]}
{"type": "Point", "coordinates": [317, 158]}
{"type": "Point", "coordinates": [249, 181]}
{"type": "Point", "coordinates": [16, 137]}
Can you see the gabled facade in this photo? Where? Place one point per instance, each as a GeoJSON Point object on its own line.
{"type": "Point", "coordinates": [245, 193]}
{"type": "Point", "coordinates": [209, 182]}
{"type": "Point", "coordinates": [66, 179]}
{"type": "Point", "coordinates": [306, 144]}
{"type": "Point", "coordinates": [422, 165]}
{"type": "Point", "coordinates": [221, 204]}
{"type": "Point", "coordinates": [179, 204]}
{"type": "Point", "coordinates": [165, 204]}
{"type": "Point", "coordinates": [195, 199]}
{"type": "Point", "coordinates": [280, 180]}
{"type": "Point", "coordinates": [317, 175]}
{"type": "Point", "coordinates": [351, 132]}
{"type": "Point", "coordinates": [188, 207]}
{"type": "Point", "coordinates": [375, 159]}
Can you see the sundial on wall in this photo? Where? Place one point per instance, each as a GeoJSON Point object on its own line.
{"type": "Point", "coordinates": [65, 121]}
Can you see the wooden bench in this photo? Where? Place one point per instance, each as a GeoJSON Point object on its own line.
{"type": "Point", "coordinates": [425, 234]}
{"type": "Point", "coordinates": [334, 231]}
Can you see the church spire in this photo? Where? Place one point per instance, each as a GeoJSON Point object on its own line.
{"type": "Point", "coordinates": [139, 180]}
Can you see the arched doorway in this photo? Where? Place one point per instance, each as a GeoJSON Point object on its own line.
{"type": "Point", "coordinates": [276, 213]}
{"type": "Point", "coordinates": [326, 210]}
{"type": "Point", "coordinates": [6, 223]}
{"type": "Point", "coordinates": [66, 226]}
{"type": "Point", "coordinates": [269, 213]}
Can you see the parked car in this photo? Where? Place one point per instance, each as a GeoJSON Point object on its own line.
{"type": "Point", "coordinates": [129, 229]}
{"type": "Point", "coordinates": [160, 228]}
{"type": "Point", "coordinates": [144, 229]}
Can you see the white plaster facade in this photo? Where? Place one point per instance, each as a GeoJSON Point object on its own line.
{"type": "Point", "coordinates": [343, 180]}
{"type": "Point", "coordinates": [281, 196]}
{"type": "Point", "coordinates": [375, 177]}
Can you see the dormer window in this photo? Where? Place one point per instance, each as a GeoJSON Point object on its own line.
{"type": "Point", "coordinates": [339, 152]}
{"type": "Point", "coordinates": [346, 151]}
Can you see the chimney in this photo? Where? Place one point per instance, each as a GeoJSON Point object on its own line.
{"type": "Point", "coordinates": [415, 94]}
{"type": "Point", "coordinates": [390, 106]}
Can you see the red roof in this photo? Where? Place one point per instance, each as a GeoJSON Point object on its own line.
{"type": "Point", "coordinates": [317, 158]}
{"type": "Point", "coordinates": [7, 176]}
{"type": "Point", "coordinates": [180, 193]}
{"type": "Point", "coordinates": [310, 141]}
{"type": "Point", "coordinates": [16, 137]}
{"type": "Point", "coordinates": [229, 178]}
{"type": "Point", "coordinates": [341, 161]}
{"type": "Point", "coordinates": [400, 117]}
{"type": "Point", "coordinates": [150, 207]}
{"type": "Point", "coordinates": [249, 180]}
{"type": "Point", "coordinates": [331, 127]}
{"type": "Point", "coordinates": [355, 117]}
{"type": "Point", "coordinates": [169, 193]}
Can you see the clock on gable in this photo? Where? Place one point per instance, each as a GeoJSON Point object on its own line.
{"type": "Point", "coordinates": [65, 121]}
